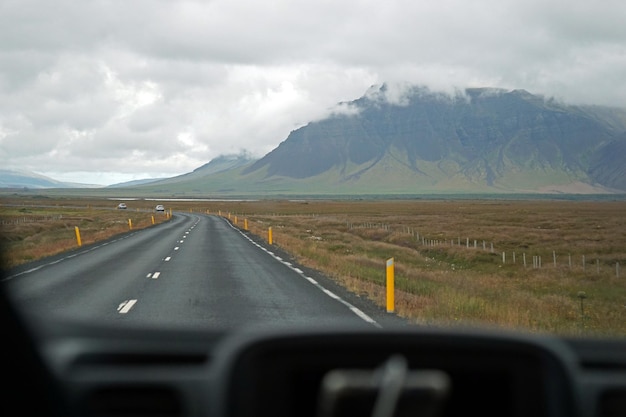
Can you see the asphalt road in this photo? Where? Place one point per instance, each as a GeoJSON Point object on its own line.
{"type": "Point", "coordinates": [195, 270]}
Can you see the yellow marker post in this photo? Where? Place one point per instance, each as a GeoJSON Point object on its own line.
{"type": "Point", "coordinates": [245, 224]}
{"type": "Point", "coordinates": [235, 219]}
{"type": "Point", "coordinates": [390, 286]}
{"type": "Point", "coordinates": [152, 219]}
{"type": "Point", "coordinates": [130, 224]}
{"type": "Point", "coordinates": [80, 243]}
{"type": "Point", "coordinates": [269, 235]}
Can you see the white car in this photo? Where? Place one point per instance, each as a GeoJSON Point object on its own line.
{"type": "Point", "coordinates": [159, 207]}
{"type": "Point", "coordinates": [121, 206]}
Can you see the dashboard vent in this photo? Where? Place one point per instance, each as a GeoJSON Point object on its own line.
{"type": "Point", "coordinates": [612, 403]}
{"type": "Point", "coordinates": [141, 359]}
{"type": "Point", "coordinates": [133, 401]}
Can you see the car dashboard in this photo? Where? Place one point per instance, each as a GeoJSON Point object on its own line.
{"type": "Point", "coordinates": [333, 372]}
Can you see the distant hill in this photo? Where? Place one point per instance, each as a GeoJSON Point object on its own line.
{"type": "Point", "coordinates": [207, 178]}
{"type": "Point", "coordinates": [481, 140]}
{"type": "Point", "coordinates": [134, 183]}
{"type": "Point", "coordinates": [31, 180]}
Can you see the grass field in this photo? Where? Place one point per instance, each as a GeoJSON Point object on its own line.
{"type": "Point", "coordinates": [540, 266]}
{"type": "Point", "coordinates": [33, 229]}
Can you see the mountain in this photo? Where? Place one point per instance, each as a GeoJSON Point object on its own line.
{"type": "Point", "coordinates": [486, 140]}
{"type": "Point", "coordinates": [133, 183]}
{"type": "Point", "coordinates": [480, 140]}
{"type": "Point", "coordinates": [30, 180]}
{"type": "Point", "coordinates": [210, 177]}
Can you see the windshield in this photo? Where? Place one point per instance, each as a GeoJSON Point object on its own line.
{"type": "Point", "coordinates": [223, 165]}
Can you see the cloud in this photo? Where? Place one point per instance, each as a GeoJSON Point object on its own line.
{"type": "Point", "coordinates": [160, 87]}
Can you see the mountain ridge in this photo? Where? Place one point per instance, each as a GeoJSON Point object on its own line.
{"type": "Point", "coordinates": [484, 138]}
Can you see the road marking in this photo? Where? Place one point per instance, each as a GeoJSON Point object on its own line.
{"type": "Point", "coordinates": [331, 294]}
{"type": "Point", "coordinates": [126, 306]}
{"type": "Point", "coordinates": [156, 275]}
{"type": "Point", "coordinates": [363, 315]}
{"type": "Point", "coordinates": [168, 259]}
{"type": "Point", "coordinates": [176, 248]}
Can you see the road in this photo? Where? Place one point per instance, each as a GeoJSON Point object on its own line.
{"type": "Point", "coordinates": [195, 270]}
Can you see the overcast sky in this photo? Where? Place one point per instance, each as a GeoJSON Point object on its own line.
{"type": "Point", "coordinates": [107, 91]}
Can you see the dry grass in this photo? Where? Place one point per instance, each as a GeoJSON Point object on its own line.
{"type": "Point", "coordinates": [31, 230]}
{"type": "Point", "coordinates": [442, 280]}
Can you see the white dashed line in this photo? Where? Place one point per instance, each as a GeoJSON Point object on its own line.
{"type": "Point", "coordinates": [167, 259]}
{"type": "Point", "coordinates": [156, 275]}
{"type": "Point", "coordinates": [125, 307]}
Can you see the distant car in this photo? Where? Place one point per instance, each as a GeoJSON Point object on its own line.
{"type": "Point", "coordinates": [160, 208]}
{"type": "Point", "coordinates": [121, 206]}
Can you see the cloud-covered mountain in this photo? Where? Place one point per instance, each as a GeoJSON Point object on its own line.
{"type": "Point", "coordinates": [486, 140]}
{"type": "Point", "coordinates": [480, 140]}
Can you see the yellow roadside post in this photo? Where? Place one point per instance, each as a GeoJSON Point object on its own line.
{"type": "Point", "coordinates": [130, 224]}
{"type": "Point", "coordinates": [390, 286]}
{"type": "Point", "coordinates": [245, 224]}
{"type": "Point", "coordinates": [80, 243]}
{"type": "Point", "coordinates": [152, 219]}
{"type": "Point", "coordinates": [269, 235]}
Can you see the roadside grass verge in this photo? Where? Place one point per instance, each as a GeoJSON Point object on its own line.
{"type": "Point", "coordinates": [30, 232]}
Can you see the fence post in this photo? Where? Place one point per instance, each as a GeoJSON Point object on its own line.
{"type": "Point", "coordinates": [584, 266]}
